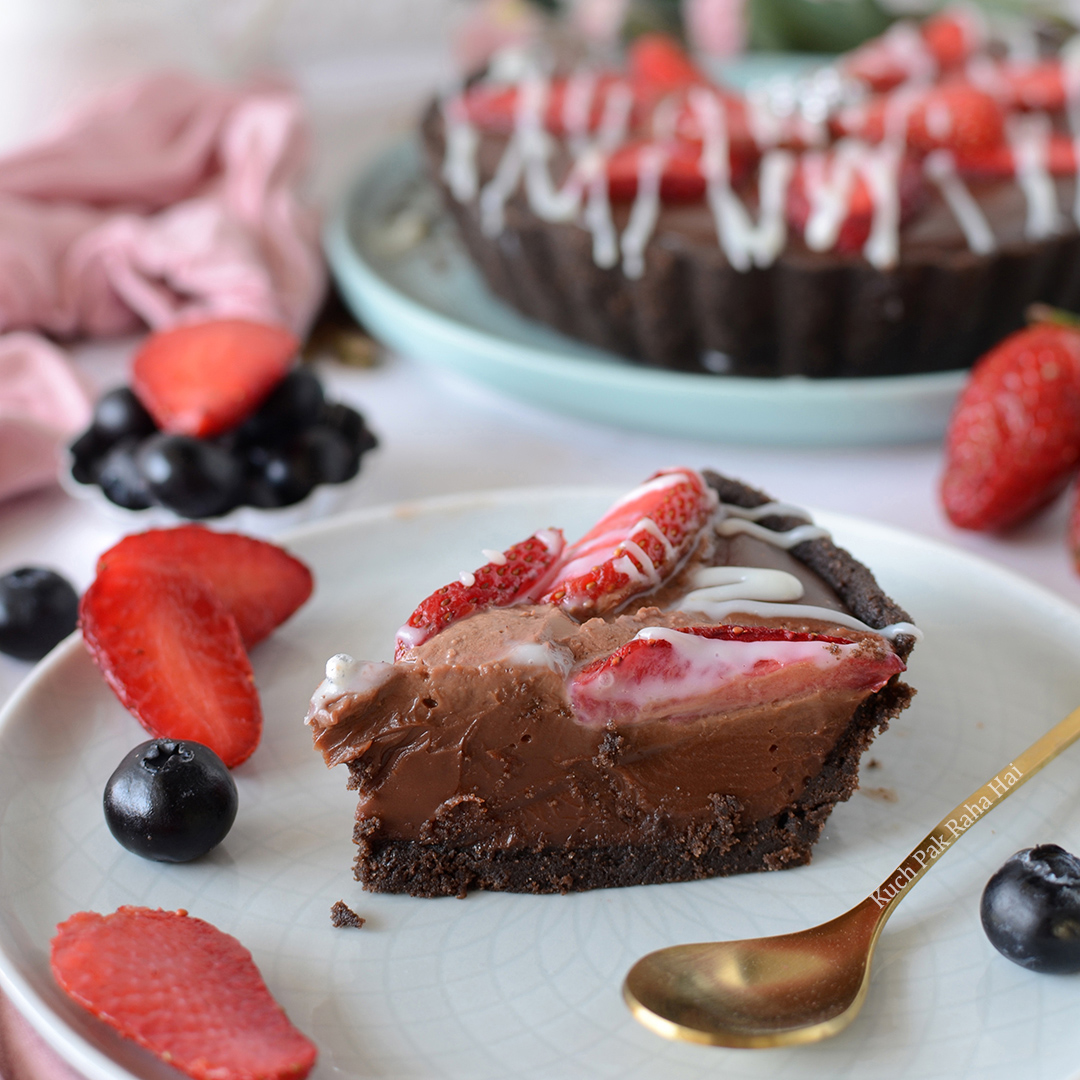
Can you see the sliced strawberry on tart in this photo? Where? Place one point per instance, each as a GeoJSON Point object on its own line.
{"type": "Point", "coordinates": [682, 692]}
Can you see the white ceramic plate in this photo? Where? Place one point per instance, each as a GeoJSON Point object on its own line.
{"type": "Point", "coordinates": [500, 986]}
{"type": "Point", "coordinates": [407, 277]}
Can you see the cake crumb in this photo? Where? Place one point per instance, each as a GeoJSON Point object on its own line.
{"type": "Point", "coordinates": [873, 763]}
{"type": "Point", "coordinates": [882, 794]}
{"type": "Point", "coordinates": [343, 915]}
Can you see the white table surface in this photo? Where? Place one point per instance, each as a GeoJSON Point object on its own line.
{"type": "Point", "coordinates": [439, 434]}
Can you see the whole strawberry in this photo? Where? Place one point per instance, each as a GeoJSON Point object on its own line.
{"type": "Point", "coordinates": [1014, 437]}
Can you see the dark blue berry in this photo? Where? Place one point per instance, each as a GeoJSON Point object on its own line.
{"type": "Point", "coordinates": [121, 479]}
{"type": "Point", "coordinates": [294, 404]}
{"type": "Point", "coordinates": [86, 454]}
{"type": "Point", "coordinates": [170, 800]}
{"type": "Point", "coordinates": [332, 458]}
{"type": "Point", "coordinates": [119, 414]}
{"type": "Point", "coordinates": [278, 476]}
{"type": "Point", "coordinates": [350, 424]}
{"type": "Point", "coordinates": [1031, 910]}
{"type": "Point", "coordinates": [38, 609]}
{"type": "Point", "coordinates": [192, 477]}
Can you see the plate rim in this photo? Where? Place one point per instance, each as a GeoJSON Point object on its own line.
{"type": "Point", "coordinates": [92, 1062]}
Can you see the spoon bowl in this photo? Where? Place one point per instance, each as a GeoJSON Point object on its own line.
{"type": "Point", "coordinates": [806, 986]}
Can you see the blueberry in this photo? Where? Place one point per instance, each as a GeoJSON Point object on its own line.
{"type": "Point", "coordinates": [120, 478]}
{"type": "Point", "coordinates": [294, 404]}
{"type": "Point", "coordinates": [192, 477]}
{"type": "Point", "coordinates": [332, 458]}
{"type": "Point", "coordinates": [38, 609]}
{"type": "Point", "coordinates": [170, 800]}
{"type": "Point", "coordinates": [86, 454]}
{"type": "Point", "coordinates": [119, 414]}
{"type": "Point", "coordinates": [278, 476]}
{"type": "Point", "coordinates": [349, 423]}
{"type": "Point", "coordinates": [1031, 910]}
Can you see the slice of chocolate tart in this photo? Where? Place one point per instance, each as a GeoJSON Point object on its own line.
{"type": "Point", "coordinates": [682, 693]}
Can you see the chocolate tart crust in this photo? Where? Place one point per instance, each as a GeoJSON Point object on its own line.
{"type": "Point", "coordinates": [442, 863]}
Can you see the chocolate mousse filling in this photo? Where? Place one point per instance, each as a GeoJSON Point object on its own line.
{"type": "Point", "coordinates": [474, 770]}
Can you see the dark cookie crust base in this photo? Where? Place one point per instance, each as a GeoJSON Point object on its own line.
{"type": "Point", "coordinates": [723, 846]}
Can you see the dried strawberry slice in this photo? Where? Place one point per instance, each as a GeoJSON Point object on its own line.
{"type": "Point", "coordinates": [666, 674]}
{"type": "Point", "coordinates": [660, 64]}
{"type": "Point", "coordinates": [635, 546]}
{"type": "Point", "coordinates": [518, 574]}
{"type": "Point", "coordinates": [186, 991]}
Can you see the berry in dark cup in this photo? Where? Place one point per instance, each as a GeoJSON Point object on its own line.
{"type": "Point", "coordinates": [170, 800]}
{"type": "Point", "coordinates": [38, 609]}
{"type": "Point", "coordinates": [1031, 910]}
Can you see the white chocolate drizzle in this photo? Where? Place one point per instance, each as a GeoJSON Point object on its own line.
{"type": "Point", "coordinates": [744, 243]}
{"type": "Point", "coordinates": [344, 675]}
{"type": "Point", "coordinates": [787, 539]}
{"type": "Point", "coordinates": [940, 167]}
{"type": "Point", "coordinates": [1029, 139]}
{"type": "Point", "coordinates": [462, 142]}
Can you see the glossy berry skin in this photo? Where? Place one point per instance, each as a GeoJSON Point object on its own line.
{"type": "Point", "coordinates": [1031, 910]}
{"type": "Point", "coordinates": [121, 479]}
{"type": "Point", "coordinates": [278, 476]}
{"type": "Point", "coordinates": [119, 413]}
{"type": "Point", "coordinates": [170, 800]}
{"type": "Point", "coordinates": [331, 458]}
{"type": "Point", "coordinates": [38, 609]}
{"type": "Point", "coordinates": [1014, 436]}
{"type": "Point", "coordinates": [195, 478]}
{"type": "Point", "coordinates": [294, 404]}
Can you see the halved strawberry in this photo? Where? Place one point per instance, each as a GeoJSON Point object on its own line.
{"type": "Point", "coordinates": [659, 65]}
{"type": "Point", "coordinates": [669, 674]}
{"type": "Point", "coordinates": [635, 546]}
{"type": "Point", "coordinates": [999, 162]}
{"type": "Point", "coordinates": [205, 378]}
{"type": "Point", "coordinates": [517, 575]}
{"type": "Point", "coordinates": [493, 107]}
{"type": "Point", "coordinates": [181, 988]}
{"type": "Point", "coordinates": [826, 178]}
{"type": "Point", "coordinates": [953, 116]}
{"type": "Point", "coordinates": [259, 583]}
{"type": "Point", "coordinates": [1038, 87]}
{"type": "Point", "coordinates": [952, 36]}
{"type": "Point", "coordinates": [173, 655]}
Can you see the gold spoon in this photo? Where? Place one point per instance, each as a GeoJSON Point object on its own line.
{"type": "Point", "coordinates": [800, 988]}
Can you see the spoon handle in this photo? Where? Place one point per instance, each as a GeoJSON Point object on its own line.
{"type": "Point", "coordinates": [958, 820]}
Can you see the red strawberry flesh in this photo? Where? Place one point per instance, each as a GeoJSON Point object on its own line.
{"type": "Point", "coordinates": [517, 575]}
{"type": "Point", "coordinates": [1014, 436]}
{"type": "Point", "coordinates": [667, 674]}
{"type": "Point", "coordinates": [205, 378]}
{"type": "Point", "coordinates": [173, 655]}
{"type": "Point", "coordinates": [181, 988]}
{"type": "Point", "coordinates": [636, 546]}
{"type": "Point", "coordinates": [259, 583]}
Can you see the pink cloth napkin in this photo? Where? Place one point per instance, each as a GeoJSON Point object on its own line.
{"type": "Point", "coordinates": [170, 200]}
{"type": "Point", "coordinates": [23, 1053]}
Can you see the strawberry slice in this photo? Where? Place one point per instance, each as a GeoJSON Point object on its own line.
{"type": "Point", "coordinates": [659, 65]}
{"type": "Point", "coordinates": [681, 181]}
{"type": "Point", "coordinates": [952, 37]}
{"type": "Point", "coordinates": [181, 988]}
{"type": "Point", "coordinates": [517, 575]}
{"type": "Point", "coordinates": [174, 657]}
{"type": "Point", "coordinates": [206, 378]}
{"type": "Point", "coordinates": [638, 543]}
{"type": "Point", "coordinates": [666, 674]}
{"type": "Point", "coordinates": [260, 584]}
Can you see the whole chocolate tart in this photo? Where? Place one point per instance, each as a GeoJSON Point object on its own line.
{"type": "Point", "coordinates": [892, 213]}
{"type": "Point", "coordinates": [685, 692]}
